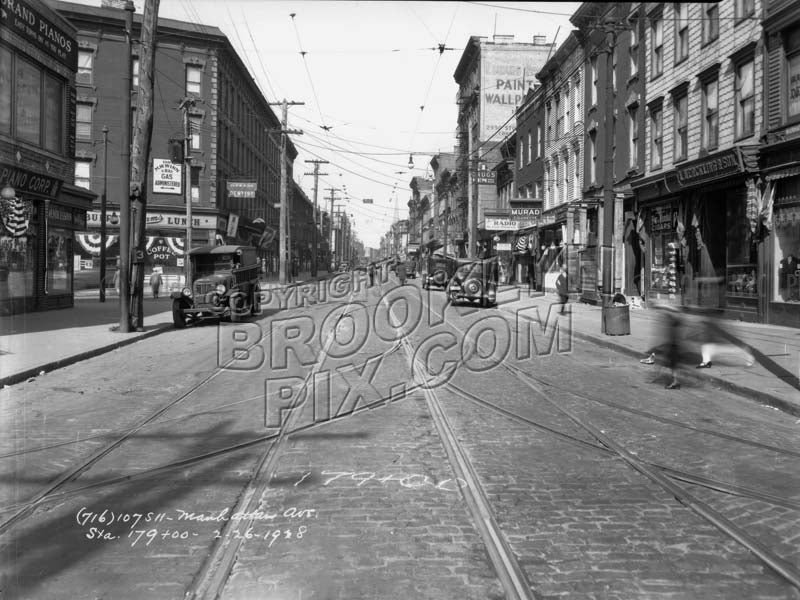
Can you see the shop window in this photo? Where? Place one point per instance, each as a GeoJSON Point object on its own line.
{"type": "Point", "coordinates": [17, 263]}
{"type": "Point", "coordinates": [745, 100]}
{"type": "Point", "coordinates": [6, 91]}
{"type": "Point", "coordinates": [657, 47]}
{"type": "Point", "coordinates": [59, 268]}
{"type": "Point", "coordinates": [786, 277]}
{"type": "Point", "coordinates": [194, 76]}
{"type": "Point", "coordinates": [681, 32]}
{"type": "Point", "coordinates": [793, 77]}
{"type": "Point", "coordinates": [710, 22]}
{"type": "Point", "coordinates": [681, 126]}
{"type": "Point", "coordinates": [709, 130]}
{"type": "Point", "coordinates": [85, 67]}
{"type": "Point", "coordinates": [28, 101]}
{"type": "Point", "coordinates": [741, 256]}
{"type": "Point", "coordinates": [666, 258]}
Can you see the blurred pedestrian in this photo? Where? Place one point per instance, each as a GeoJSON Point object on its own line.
{"type": "Point", "coordinates": [371, 273]}
{"type": "Point", "coordinates": [673, 323]}
{"type": "Point", "coordinates": [155, 283]}
{"type": "Point", "coordinates": [562, 288]}
{"type": "Point", "coordinates": [400, 271]}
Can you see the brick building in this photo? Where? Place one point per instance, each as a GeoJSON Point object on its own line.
{"type": "Point", "coordinates": [40, 208]}
{"type": "Point", "coordinates": [234, 137]}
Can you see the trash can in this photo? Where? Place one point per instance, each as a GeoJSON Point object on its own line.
{"type": "Point", "coordinates": [616, 320]}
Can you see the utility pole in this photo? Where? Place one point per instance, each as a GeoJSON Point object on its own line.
{"type": "Point", "coordinates": [140, 157]}
{"type": "Point", "coordinates": [103, 201]}
{"type": "Point", "coordinates": [187, 189]}
{"type": "Point", "coordinates": [331, 249]}
{"type": "Point", "coordinates": [608, 171]}
{"type": "Point", "coordinates": [284, 220]}
{"type": "Point", "coordinates": [124, 198]}
{"type": "Point", "coordinates": [314, 242]}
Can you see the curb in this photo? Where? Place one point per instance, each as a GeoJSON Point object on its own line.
{"type": "Point", "coordinates": [71, 360]}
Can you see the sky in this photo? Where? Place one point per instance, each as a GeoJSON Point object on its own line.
{"type": "Point", "coordinates": [373, 74]}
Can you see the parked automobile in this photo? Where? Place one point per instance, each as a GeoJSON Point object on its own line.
{"type": "Point", "coordinates": [224, 286]}
{"type": "Point", "coordinates": [437, 271]}
{"type": "Point", "coordinates": [474, 281]}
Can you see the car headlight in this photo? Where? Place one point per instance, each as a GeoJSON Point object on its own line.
{"type": "Point", "coordinates": [221, 288]}
{"type": "Point", "coordinates": [186, 292]}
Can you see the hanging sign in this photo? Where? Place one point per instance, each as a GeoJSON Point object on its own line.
{"type": "Point", "coordinates": [167, 176]}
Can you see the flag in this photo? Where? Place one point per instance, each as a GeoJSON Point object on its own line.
{"type": "Point", "coordinates": [767, 201]}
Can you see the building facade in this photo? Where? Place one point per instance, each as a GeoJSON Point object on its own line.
{"type": "Point", "coordinates": [493, 78]}
{"type": "Point", "coordinates": [779, 222]}
{"type": "Point", "coordinates": [40, 208]}
{"type": "Point", "coordinates": [697, 200]}
{"type": "Point", "coordinates": [233, 139]}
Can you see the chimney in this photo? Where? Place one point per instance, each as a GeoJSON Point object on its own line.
{"type": "Point", "coordinates": [503, 39]}
{"type": "Point", "coordinates": [113, 3]}
{"type": "Point", "coordinates": [540, 40]}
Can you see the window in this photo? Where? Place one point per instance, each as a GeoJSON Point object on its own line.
{"type": "Point", "coordinates": [743, 8]}
{"type": "Point", "coordinates": [537, 190]}
{"type": "Point", "coordinates": [793, 77]}
{"type": "Point", "coordinates": [135, 72]}
{"type": "Point", "coordinates": [577, 94]}
{"type": "Point", "coordinates": [681, 31]}
{"type": "Point", "coordinates": [710, 22]}
{"type": "Point", "coordinates": [633, 139]}
{"type": "Point", "coordinates": [567, 106]}
{"type": "Point", "coordinates": [709, 134]}
{"type": "Point", "coordinates": [593, 157]}
{"type": "Point", "coordinates": [85, 66]}
{"type": "Point", "coordinates": [556, 190]}
{"type": "Point", "coordinates": [195, 127]}
{"type": "Point", "coordinates": [565, 186]}
{"type": "Point", "coordinates": [656, 137]}
{"type": "Point", "coordinates": [593, 69]}
{"type": "Point", "coordinates": [745, 100]}
{"type": "Point", "coordinates": [633, 51]}
{"type": "Point", "coordinates": [83, 121]}
{"type": "Point", "coordinates": [614, 68]}
{"type": "Point", "coordinates": [83, 174]}
{"type": "Point", "coordinates": [194, 76]}
{"type": "Point", "coordinates": [59, 254]}
{"type": "Point", "coordinates": [530, 146]}
{"type": "Point", "coordinates": [521, 153]}
{"type": "Point", "coordinates": [657, 53]}
{"type": "Point", "coordinates": [559, 119]}
{"type": "Point", "coordinates": [539, 141]}
{"type": "Point", "coordinates": [28, 101]}
{"type": "Point", "coordinates": [681, 126]}
{"type": "Point", "coordinates": [547, 182]}
{"type": "Point", "coordinates": [53, 114]}
{"type": "Point", "coordinates": [5, 91]}
{"type": "Point", "coordinates": [195, 184]}
{"type": "Point", "coordinates": [576, 185]}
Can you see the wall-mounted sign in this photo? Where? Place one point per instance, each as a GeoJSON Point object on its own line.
{"type": "Point", "coordinates": [242, 189]}
{"type": "Point", "coordinates": [233, 225]}
{"type": "Point", "coordinates": [503, 246]}
{"type": "Point", "coordinates": [167, 176]}
{"type": "Point", "coordinates": [500, 224]}
{"type": "Point", "coordinates": [485, 176]}
{"type": "Point", "coordinates": [793, 105]}
{"type": "Point", "coordinates": [28, 182]}
{"type": "Point", "coordinates": [160, 220]}
{"type": "Point", "coordinates": [20, 17]}
{"type": "Point", "coordinates": [706, 169]}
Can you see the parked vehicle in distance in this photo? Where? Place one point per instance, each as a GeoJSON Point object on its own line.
{"type": "Point", "coordinates": [344, 267]}
{"type": "Point", "coordinates": [411, 268]}
{"type": "Point", "coordinates": [224, 286]}
{"type": "Point", "coordinates": [474, 281]}
{"type": "Point", "coordinates": [437, 271]}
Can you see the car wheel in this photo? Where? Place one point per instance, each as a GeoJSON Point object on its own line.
{"type": "Point", "coordinates": [238, 309]}
{"type": "Point", "coordinates": [178, 320]}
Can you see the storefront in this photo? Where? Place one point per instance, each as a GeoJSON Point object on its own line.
{"type": "Point", "coordinates": [696, 231]}
{"type": "Point", "coordinates": [39, 218]}
{"type": "Point", "coordinates": [164, 248]}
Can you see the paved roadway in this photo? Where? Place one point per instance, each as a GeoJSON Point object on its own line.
{"type": "Point", "coordinates": [537, 470]}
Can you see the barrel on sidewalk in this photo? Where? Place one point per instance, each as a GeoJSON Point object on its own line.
{"type": "Point", "coordinates": [616, 320]}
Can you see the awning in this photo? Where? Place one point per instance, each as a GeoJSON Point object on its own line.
{"type": "Point", "coordinates": [783, 172]}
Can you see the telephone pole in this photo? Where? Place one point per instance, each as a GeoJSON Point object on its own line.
{"type": "Point", "coordinates": [331, 249]}
{"type": "Point", "coordinates": [284, 220]}
{"type": "Point", "coordinates": [103, 203]}
{"type": "Point", "coordinates": [125, 191]}
{"type": "Point", "coordinates": [316, 174]}
{"type": "Point", "coordinates": [187, 189]}
{"type": "Point", "coordinates": [140, 154]}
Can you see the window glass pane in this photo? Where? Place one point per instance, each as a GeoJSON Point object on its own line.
{"type": "Point", "coordinates": [83, 121]}
{"type": "Point", "coordinates": [135, 72]}
{"type": "Point", "coordinates": [53, 106]}
{"type": "Point", "coordinates": [786, 276]}
{"type": "Point", "coordinates": [28, 101]}
{"type": "Point", "coordinates": [59, 269]}
{"type": "Point", "coordinates": [193, 79]}
{"type": "Point", "coordinates": [194, 127]}
{"type": "Point", "coordinates": [17, 260]}
{"type": "Point", "coordinates": [794, 85]}
{"type": "Point", "coordinates": [83, 174]}
{"type": "Point", "coordinates": [85, 63]}
{"type": "Point", "coordinates": [5, 91]}
{"type": "Point", "coordinates": [746, 79]}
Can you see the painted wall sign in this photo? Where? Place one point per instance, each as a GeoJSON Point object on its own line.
{"type": "Point", "coordinates": [242, 189]}
{"type": "Point", "coordinates": [28, 182]}
{"type": "Point", "coordinates": [31, 25]}
{"type": "Point", "coordinates": [500, 224]}
{"type": "Point", "coordinates": [709, 168]}
{"type": "Point", "coordinates": [167, 176]}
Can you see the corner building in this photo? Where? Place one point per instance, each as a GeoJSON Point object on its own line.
{"type": "Point", "coordinates": [697, 201]}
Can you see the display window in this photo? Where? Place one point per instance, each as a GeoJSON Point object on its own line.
{"type": "Point", "coordinates": [665, 258]}
{"type": "Point", "coordinates": [742, 257]}
{"type": "Point", "coordinates": [786, 236]}
{"type": "Point", "coordinates": [17, 265]}
{"type": "Point", "coordinates": [59, 261]}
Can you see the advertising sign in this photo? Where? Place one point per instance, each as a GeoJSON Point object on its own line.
{"type": "Point", "coordinates": [794, 85]}
{"type": "Point", "coordinates": [242, 189]}
{"type": "Point", "coordinates": [233, 225]}
{"type": "Point", "coordinates": [167, 176]}
{"type": "Point", "coordinates": [500, 224]}
{"type": "Point", "coordinates": [158, 220]}
{"type": "Point", "coordinates": [485, 176]}
{"type": "Point", "coordinates": [27, 22]}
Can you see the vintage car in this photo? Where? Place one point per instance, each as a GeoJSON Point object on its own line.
{"type": "Point", "coordinates": [437, 271]}
{"type": "Point", "coordinates": [411, 268]}
{"type": "Point", "coordinates": [475, 280]}
{"type": "Point", "coordinates": [224, 286]}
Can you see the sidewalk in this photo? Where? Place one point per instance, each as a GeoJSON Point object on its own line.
{"type": "Point", "coordinates": [774, 379]}
{"type": "Point", "coordinates": [42, 341]}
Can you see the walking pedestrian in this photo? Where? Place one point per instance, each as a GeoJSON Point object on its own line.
{"type": "Point", "coordinates": [562, 288]}
{"type": "Point", "coordinates": [155, 283]}
{"type": "Point", "coordinates": [371, 273]}
{"type": "Point", "coordinates": [400, 271]}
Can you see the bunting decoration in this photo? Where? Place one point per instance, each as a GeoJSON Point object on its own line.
{"type": "Point", "coordinates": [16, 215]}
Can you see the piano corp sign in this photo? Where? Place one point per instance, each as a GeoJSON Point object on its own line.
{"type": "Point", "coordinates": [710, 168]}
